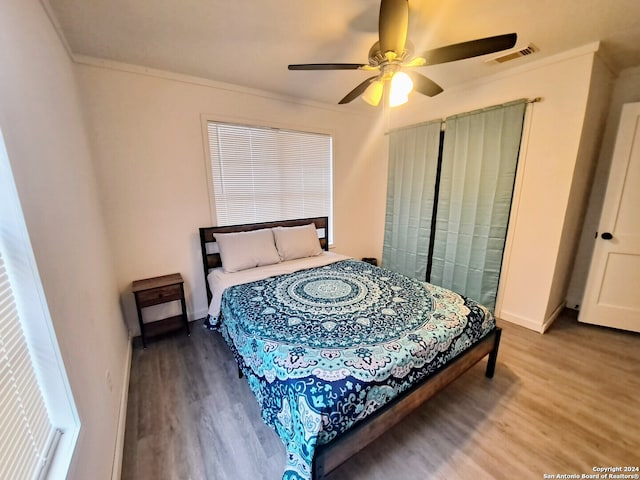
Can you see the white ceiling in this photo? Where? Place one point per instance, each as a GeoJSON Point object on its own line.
{"type": "Point", "coordinates": [251, 42]}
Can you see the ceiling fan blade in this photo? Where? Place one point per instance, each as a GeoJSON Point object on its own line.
{"type": "Point", "coordinates": [472, 48]}
{"type": "Point", "coordinates": [392, 26]}
{"type": "Point", "coordinates": [326, 66]}
{"type": "Point", "coordinates": [356, 92]}
{"type": "Point", "coordinates": [424, 85]}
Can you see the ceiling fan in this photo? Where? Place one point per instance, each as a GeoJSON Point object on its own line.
{"type": "Point", "coordinates": [393, 53]}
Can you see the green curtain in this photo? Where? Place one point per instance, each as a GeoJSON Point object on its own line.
{"type": "Point", "coordinates": [413, 163]}
{"type": "Point", "coordinates": [478, 170]}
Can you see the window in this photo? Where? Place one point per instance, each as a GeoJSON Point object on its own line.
{"type": "Point", "coordinates": [38, 419]}
{"type": "Point", "coordinates": [261, 174]}
{"type": "Point", "coordinates": [23, 414]}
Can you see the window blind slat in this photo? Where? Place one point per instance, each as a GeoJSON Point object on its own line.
{"type": "Point", "coordinates": [263, 174]}
{"type": "Point", "coordinates": [16, 454]}
{"type": "Point", "coordinates": [26, 427]}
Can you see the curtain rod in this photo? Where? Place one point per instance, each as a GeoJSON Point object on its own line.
{"type": "Point", "coordinates": [443, 121]}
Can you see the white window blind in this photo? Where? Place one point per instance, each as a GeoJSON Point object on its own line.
{"type": "Point", "coordinates": [27, 432]}
{"type": "Point", "coordinates": [261, 174]}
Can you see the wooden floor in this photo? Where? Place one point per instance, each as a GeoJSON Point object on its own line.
{"type": "Point", "coordinates": [563, 402]}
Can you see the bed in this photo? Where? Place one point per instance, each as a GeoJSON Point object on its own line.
{"type": "Point", "coordinates": [336, 350]}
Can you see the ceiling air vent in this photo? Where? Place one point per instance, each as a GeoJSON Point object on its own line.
{"type": "Point", "coordinates": [513, 55]}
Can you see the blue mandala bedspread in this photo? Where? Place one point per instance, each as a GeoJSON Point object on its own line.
{"type": "Point", "coordinates": [323, 348]}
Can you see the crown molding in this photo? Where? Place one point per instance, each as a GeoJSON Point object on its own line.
{"type": "Point", "coordinates": [56, 26]}
{"type": "Point", "coordinates": [88, 60]}
{"type": "Point", "coordinates": [590, 48]}
{"type": "Point", "coordinates": [204, 82]}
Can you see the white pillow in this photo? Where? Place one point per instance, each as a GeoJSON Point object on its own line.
{"type": "Point", "coordinates": [297, 242]}
{"type": "Point", "coordinates": [243, 250]}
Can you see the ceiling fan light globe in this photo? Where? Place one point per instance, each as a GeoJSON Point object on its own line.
{"type": "Point", "coordinates": [373, 93]}
{"type": "Point", "coordinates": [397, 100]}
{"type": "Point", "coordinates": [401, 85]}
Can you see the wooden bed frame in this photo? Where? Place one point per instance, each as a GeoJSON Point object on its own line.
{"type": "Point", "coordinates": [331, 455]}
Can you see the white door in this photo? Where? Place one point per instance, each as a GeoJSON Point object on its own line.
{"type": "Point", "coordinates": [612, 293]}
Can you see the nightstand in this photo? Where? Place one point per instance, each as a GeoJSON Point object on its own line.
{"type": "Point", "coordinates": [155, 291]}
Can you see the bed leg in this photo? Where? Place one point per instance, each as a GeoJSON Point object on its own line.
{"type": "Point", "coordinates": [240, 372]}
{"type": "Point", "coordinates": [317, 472]}
{"type": "Point", "coordinates": [493, 355]}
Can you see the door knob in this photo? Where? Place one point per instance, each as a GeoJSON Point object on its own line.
{"type": "Point", "coordinates": [606, 236]}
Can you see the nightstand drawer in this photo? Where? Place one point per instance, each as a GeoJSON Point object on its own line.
{"type": "Point", "coordinates": [158, 295]}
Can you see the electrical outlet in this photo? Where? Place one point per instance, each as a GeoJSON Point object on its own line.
{"type": "Point", "coordinates": [109, 382]}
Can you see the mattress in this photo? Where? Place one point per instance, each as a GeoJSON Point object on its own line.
{"type": "Point", "coordinates": [219, 280]}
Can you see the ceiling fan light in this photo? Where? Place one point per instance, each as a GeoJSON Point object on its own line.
{"type": "Point", "coordinates": [397, 100]}
{"type": "Point", "coordinates": [401, 86]}
{"type": "Point", "coordinates": [402, 83]}
{"type": "Point", "coordinates": [373, 93]}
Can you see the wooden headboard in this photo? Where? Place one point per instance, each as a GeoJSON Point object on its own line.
{"type": "Point", "coordinates": [212, 260]}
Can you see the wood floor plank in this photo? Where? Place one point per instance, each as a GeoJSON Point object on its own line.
{"type": "Point", "coordinates": [562, 402]}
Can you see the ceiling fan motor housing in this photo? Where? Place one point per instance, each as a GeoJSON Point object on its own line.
{"type": "Point", "coordinates": [378, 58]}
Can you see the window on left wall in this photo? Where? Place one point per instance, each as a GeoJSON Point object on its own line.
{"type": "Point", "coordinates": [38, 417]}
{"type": "Point", "coordinates": [262, 174]}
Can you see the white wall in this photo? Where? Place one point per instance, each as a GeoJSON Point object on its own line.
{"type": "Point", "coordinates": [626, 89]}
{"type": "Point", "coordinates": [147, 139]}
{"type": "Point", "coordinates": [600, 87]}
{"type": "Point", "coordinates": [47, 145]}
{"type": "Point", "coordinates": [545, 173]}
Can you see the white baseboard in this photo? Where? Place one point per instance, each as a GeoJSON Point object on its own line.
{"type": "Point", "coordinates": [116, 469]}
{"type": "Point", "coordinates": [532, 324]}
{"type": "Point", "coordinates": [552, 318]}
{"type": "Point", "coordinates": [523, 322]}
